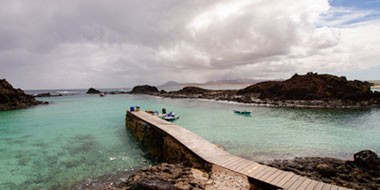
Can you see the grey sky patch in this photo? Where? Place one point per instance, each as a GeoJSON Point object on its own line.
{"type": "Point", "coordinates": [78, 44]}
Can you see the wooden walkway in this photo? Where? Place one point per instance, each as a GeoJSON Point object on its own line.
{"type": "Point", "coordinates": [212, 154]}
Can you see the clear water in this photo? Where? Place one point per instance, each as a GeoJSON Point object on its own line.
{"type": "Point", "coordinates": [77, 137]}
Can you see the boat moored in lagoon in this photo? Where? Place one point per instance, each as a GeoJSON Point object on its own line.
{"type": "Point", "coordinates": [242, 112]}
{"type": "Point", "coordinates": [171, 116]}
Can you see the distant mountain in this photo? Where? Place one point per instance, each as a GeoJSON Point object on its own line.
{"type": "Point", "coordinates": [237, 82]}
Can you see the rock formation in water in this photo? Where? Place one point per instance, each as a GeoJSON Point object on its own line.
{"type": "Point", "coordinates": [362, 173]}
{"type": "Point", "coordinates": [11, 98]}
{"type": "Point", "coordinates": [93, 91]}
{"type": "Point", "coordinates": [193, 90]}
{"type": "Point", "coordinates": [47, 94]}
{"type": "Point", "coordinates": [312, 86]}
{"type": "Point", "coordinates": [144, 89]}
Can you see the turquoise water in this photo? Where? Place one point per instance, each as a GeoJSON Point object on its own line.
{"type": "Point", "coordinates": [77, 137]}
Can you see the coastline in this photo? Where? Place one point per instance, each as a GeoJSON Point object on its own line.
{"type": "Point", "coordinates": [241, 100]}
{"type": "Point", "coordinates": [362, 172]}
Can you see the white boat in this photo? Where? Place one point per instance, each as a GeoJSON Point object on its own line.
{"type": "Point", "coordinates": [171, 116]}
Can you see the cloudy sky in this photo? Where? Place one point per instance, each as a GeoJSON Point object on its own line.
{"type": "Point", "coordinates": [47, 44]}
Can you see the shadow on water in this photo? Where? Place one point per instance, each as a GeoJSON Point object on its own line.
{"type": "Point", "coordinates": [130, 142]}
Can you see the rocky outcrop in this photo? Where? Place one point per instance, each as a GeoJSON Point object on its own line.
{"type": "Point", "coordinates": [167, 177]}
{"type": "Point", "coordinates": [179, 177]}
{"type": "Point", "coordinates": [144, 89]}
{"type": "Point", "coordinates": [302, 91]}
{"type": "Point", "coordinates": [47, 95]}
{"type": "Point", "coordinates": [367, 159]}
{"type": "Point", "coordinates": [93, 91]}
{"type": "Point", "coordinates": [362, 173]}
{"type": "Point", "coordinates": [193, 90]}
{"type": "Point", "coordinates": [312, 86]}
{"type": "Point", "coordinates": [11, 98]}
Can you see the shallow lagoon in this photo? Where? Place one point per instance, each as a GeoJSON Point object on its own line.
{"type": "Point", "coordinates": [77, 137]}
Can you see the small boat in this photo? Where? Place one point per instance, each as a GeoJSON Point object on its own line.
{"type": "Point", "coordinates": [242, 112]}
{"type": "Point", "coordinates": [171, 116]}
{"type": "Point", "coordinates": [101, 94]}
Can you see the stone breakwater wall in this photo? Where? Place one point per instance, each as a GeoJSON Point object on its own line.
{"type": "Point", "coordinates": [163, 145]}
{"type": "Point", "coordinates": [159, 143]}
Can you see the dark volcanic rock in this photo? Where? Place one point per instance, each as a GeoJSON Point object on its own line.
{"type": "Point", "coordinates": [167, 177]}
{"type": "Point", "coordinates": [144, 89]}
{"type": "Point", "coordinates": [11, 98]}
{"type": "Point", "coordinates": [43, 95]}
{"type": "Point", "coordinates": [326, 170]}
{"type": "Point", "coordinates": [363, 173]}
{"type": "Point", "coordinates": [93, 91]}
{"type": "Point", "coordinates": [367, 159]}
{"type": "Point", "coordinates": [193, 90]}
{"type": "Point", "coordinates": [312, 87]}
{"type": "Point", "coordinates": [47, 95]}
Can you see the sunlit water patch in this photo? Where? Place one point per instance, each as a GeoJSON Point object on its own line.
{"type": "Point", "coordinates": [77, 137]}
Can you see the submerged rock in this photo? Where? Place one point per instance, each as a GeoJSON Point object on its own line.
{"type": "Point", "coordinates": [11, 98]}
{"type": "Point", "coordinates": [144, 89]}
{"type": "Point", "coordinates": [93, 91]}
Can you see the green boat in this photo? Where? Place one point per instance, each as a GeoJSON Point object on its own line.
{"type": "Point", "coordinates": [244, 112]}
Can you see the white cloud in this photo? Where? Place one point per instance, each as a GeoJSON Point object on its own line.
{"type": "Point", "coordinates": [75, 44]}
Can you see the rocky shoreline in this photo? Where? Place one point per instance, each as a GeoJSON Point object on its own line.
{"type": "Point", "coordinates": [300, 91]}
{"type": "Point", "coordinates": [363, 173]}
{"type": "Point", "coordinates": [11, 98]}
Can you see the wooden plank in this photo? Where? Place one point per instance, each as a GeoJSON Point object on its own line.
{"type": "Point", "coordinates": [248, 169]}
{"type": "Point", "coordinates": [254, 168]}
{"type": "Point", "coordinates": [334, 187]}
{"type": "Point", "coordinates": [297, 183]}
{"type": "Point", "coordinates": [243, 164]}
{"type": "Point", "coordinates": [226, 160]}
{"type": "Point", "coordinates": [218, 158]}
{"type": "Point", "coordinates": [312, 185]}
{"type": "Point", "coordinates": [326, 186]}
{"type": "Point", "coordinates": [290, 182]}
{"type": "Point", "coordinates": [280, 177]}
{"type": "Point", "coordinates": [285, 179]}
{"type": "Point", "coordinates": [262, 172]}
{"type": "Point", "coordinates": [233, 162]}
{"type": "Point", "coordinates": [256, 171]}
{"type": "Point", "coordinates": [268, 174]}
{"type": "Point", "coordinates": [304, 184]}
{"type": "Point", "coordinates": [319, 186]}
{"type": "Point", "coordinates": [273, 176]}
